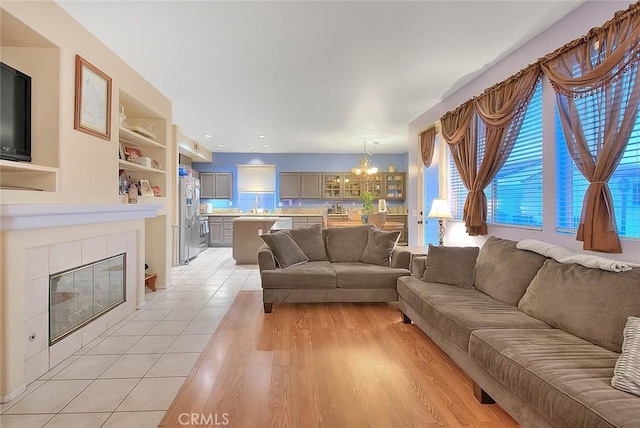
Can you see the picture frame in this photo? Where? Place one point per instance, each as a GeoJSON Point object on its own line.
{"type": "Point", "coordinates": [92, 100]}
{"type": "Point", "coordinates": [132, 153]}
{"type": "Point", "coordinates": [157, 191]}
{"type": "Point", "coordinates": [145, 188]}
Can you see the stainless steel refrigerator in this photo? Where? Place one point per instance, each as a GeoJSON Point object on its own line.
{"type": "Point", "coordinates": [189, 214]}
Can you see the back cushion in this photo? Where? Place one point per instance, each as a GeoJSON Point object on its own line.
{"type": "Point", "coordinates": [590, 303]}
{"type": "Point", "coordinates": [347, 244]}
{"type": "Point", "coordinates": [450, 265]}
{"type": "Point", "coordinates": [504, 272]}
{"type": "Point", "coordinates": [310, 241]}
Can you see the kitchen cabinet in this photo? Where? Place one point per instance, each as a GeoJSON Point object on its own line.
{"type": "Point", "coordinates": [332, 185]}
{"type": "Point", "coordinates": [290, 185]}
{"type": "Point", "coordinates": [394, 185]}
{"type": "Point", "coordinates": [296, 185]}
{"type": "Point", "coordinates": [216, 185]}
{"type": "Point", "coordinates": [221, 231]}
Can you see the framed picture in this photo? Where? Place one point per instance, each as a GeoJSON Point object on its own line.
{"type": "Point", "coordinates": [93, 100]}
{"type": "Point", "coordinates": [123, 155]}
{"type": "Point", "coordinates": [132, 153]}
{"type": "Point", "coordinates": [157, 191]}
{"type": "Point", "coordinates": [145, 188]}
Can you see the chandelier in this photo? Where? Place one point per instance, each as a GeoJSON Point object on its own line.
{"type": "Point", "coordinates": [364, 170]}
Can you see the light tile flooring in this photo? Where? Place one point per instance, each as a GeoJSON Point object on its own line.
{"type": "Point", "coordinates": [130, 375]}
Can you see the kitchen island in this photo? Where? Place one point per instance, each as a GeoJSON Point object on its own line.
{"type": "Point", "coordinates": [246, 237]}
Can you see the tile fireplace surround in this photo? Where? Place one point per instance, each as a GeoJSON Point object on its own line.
{"type": "Point", "coordinates": [40, 240]}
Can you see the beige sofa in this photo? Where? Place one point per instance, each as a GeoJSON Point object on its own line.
{"type": "Point", "coordinates": [540, 337]}
{"type": "Point", "coordinates": [354, 264]}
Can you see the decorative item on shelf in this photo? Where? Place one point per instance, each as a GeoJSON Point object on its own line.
{"type": "Point", "coordinates": [391, 168]}
{"type": "Point", "coordinates": [144, 131]}
{"type": "Point", "coordinates": [122, 116]}
{"type": "Point", "coordinates": [92, 100]}
{"type": "Point", "coordinates": [367, 205]}
{"type": "Point", "coordinates": [157, 191]}
{"type": "Point", "coordinates": [156, 165]}
{"type": "Point", "coordinates": [132, 153]}
{"type": "Point", "coordinates": [132, 197]}
{"type": "Point", "coordinates": [142, 160]}
{"type": "Point", "coordinates": [145, 188]}
{"type": "Point", "coordinates": [440, 210]}
{"type": "Point", "coordinates": [124, 183]}
{"type": "Point", "coordinates": [364, 171]}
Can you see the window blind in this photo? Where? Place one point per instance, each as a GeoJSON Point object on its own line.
{"type": "Point", "coordinates": [256, 178]}
{"type": "Point", "coordinates": [514, 196]}
{"type": "Point", "coordinates": [624, 183]}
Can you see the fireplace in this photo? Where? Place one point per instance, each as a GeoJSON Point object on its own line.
{"type": "Point", "coordinates": [78, 296]}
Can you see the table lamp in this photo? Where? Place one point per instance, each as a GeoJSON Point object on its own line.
{"type": "Point", "coordinates": [440, 210]}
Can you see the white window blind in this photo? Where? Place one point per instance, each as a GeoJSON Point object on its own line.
{"type": "Point", "coordinates": [624, 183]}
{"type": "Point", "coordinates": [256, 178]}
{"type": "Point", "coordinates": [514, 197]}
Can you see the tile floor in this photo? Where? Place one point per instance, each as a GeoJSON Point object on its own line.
{"type": "Point", "coordinates": [129, 375]}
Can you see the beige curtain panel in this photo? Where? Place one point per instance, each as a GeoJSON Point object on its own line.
{"type": "Point", "coordinates": [427, 145]}
{"type": "Point", "coordinates": [502, 109]}
{"type": "Point", "coordinates": [597, 93]}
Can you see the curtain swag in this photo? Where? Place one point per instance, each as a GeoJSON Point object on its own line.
{"type": "Point", "coordinates": [427, 145]}
{"type": "Point", "coordinates": [600, 68]}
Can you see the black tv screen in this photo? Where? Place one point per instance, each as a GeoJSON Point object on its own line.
{"type": "Point", "coordinates": [15, 114]}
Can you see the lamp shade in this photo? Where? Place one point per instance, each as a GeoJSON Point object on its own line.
{"type": "Point", "coordinates": [440, 209]}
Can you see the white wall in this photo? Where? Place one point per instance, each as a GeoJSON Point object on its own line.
{"type": "Point", "coordinates": [589, 15]}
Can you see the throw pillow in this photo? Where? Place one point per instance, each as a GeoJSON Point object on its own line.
{"type": "Point", "coordinates": [379, 247]}
{"type": "Point", "coordinates": [310, 241]}
{"type": "Point", "coordinates": [504, 272]}
{"type": "Point", "coordinates": [346, 244]}
{"type": "Point", "coordinates": [626, 375]}
{"type": "Point", "coordinates": [451, 265]}
{"type": "Point", "coordinates": [285, 250]}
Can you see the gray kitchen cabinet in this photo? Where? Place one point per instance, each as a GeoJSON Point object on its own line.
{"type": "Point", "coordinates": [216, 232]}
{"type": "Point", "coordinates": [290, 185]}
{"type": "Point", "coordinates": [216, 185]}
{"type": "Point", "coordinates": [296, 185]}
{"type": "Point", "coordinates": [311, 185]}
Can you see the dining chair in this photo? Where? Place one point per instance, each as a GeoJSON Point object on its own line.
{"type": "Point", "coordinates": [377, 219]}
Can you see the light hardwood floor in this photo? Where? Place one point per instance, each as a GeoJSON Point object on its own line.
{"type": "Point", "coordinates": [330, 365]}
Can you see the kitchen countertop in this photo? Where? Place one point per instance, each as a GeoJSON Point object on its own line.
{"type": "Point", "coordinates": [257, 218]}
{"type": "Point", "coordinates": [261, 215]}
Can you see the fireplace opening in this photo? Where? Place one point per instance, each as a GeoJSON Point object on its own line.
{"type": "Point", "coordinates": [80, 295]}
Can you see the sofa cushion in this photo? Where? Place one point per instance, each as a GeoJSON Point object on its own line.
{"type": "Point", "coordinates": [310, 241]}
{"type": "Point", "coordinates": [590, 303]}
{"type": "Point", "coordinates": [457, 312]}
{"type": "Point", "coordinates": [504, 272]}
{"type": "Point", "coordinates": [311, 275]}
{"type": "Point", "coordinates": [451, 265]}
{"type": "Point", "coordinates": [626, 375]}
{"type": "Point", "coordinates": [346, 244]}
{"type": "Point", "coordinates": [379, 247]}
{"type": "Point", "coordinates": [565, 378]}
{"type": "Point", "coordinates": [364, 275]}
{"type": "Point", "coordinates": [285, 249]}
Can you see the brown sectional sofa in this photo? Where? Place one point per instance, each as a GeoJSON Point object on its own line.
{"type": "Point", "coordinates": [540, 337]}
{"type": "Point", "coordinates": [354, 264]}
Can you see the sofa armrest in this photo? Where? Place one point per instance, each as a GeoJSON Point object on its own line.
{"type": "Point", "coordinates": [418, 266]}
{"type": "Point", "coordinates": [400, 258]}
{"type": "Point", "coordinates": [266, 259]}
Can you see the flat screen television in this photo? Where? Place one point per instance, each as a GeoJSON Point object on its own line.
{"type": "Point", "coordinates": [15, 114]}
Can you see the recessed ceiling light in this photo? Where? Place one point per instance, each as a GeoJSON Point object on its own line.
{"type": "Point", "coordinates": [265, 145]}
{"type": "Point", "coordinates": [220, 145]}
{"type": "Point", "coordinates": [262, 136]}
{"type": "Point", "coordinates": [255, 151]}
{"type": "Point", "coordinates": [208, 135]}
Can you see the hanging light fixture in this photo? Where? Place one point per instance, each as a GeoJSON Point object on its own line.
{"type": "Point", "coordinates": [365, 170]}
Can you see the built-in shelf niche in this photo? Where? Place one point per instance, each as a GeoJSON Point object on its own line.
{"type": "Point", "coordinates": [30, 52]}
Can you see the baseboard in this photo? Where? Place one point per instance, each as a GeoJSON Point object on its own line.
{"type": "Point", "coordinates": [6, 398]}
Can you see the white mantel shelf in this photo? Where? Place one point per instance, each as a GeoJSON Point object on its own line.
{"type": "Point", "coordinates": [38, 216]}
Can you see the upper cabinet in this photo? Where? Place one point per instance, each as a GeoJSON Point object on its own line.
{"type": "Point", "coordinates": [296, 185]}
{"type": "Point", "coordinates": [216, 185]}
{"type": "Point", "coordinates": [341, 185]}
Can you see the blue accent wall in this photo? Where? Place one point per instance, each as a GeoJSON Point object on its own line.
{"type": "Point", "coordinates": [285, 162]}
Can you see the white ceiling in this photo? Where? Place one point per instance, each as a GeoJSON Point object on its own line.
{"type": "Point", "coordinates": [313, 76]}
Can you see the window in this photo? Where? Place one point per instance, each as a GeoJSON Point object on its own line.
{"type": "Point", "coordinates": [514, 197]}
{"type": "Point", "coordinates": [624, 185]}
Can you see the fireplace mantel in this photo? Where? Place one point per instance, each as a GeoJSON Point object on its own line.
{"type": "Point", "coordinates": [38, 216]}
